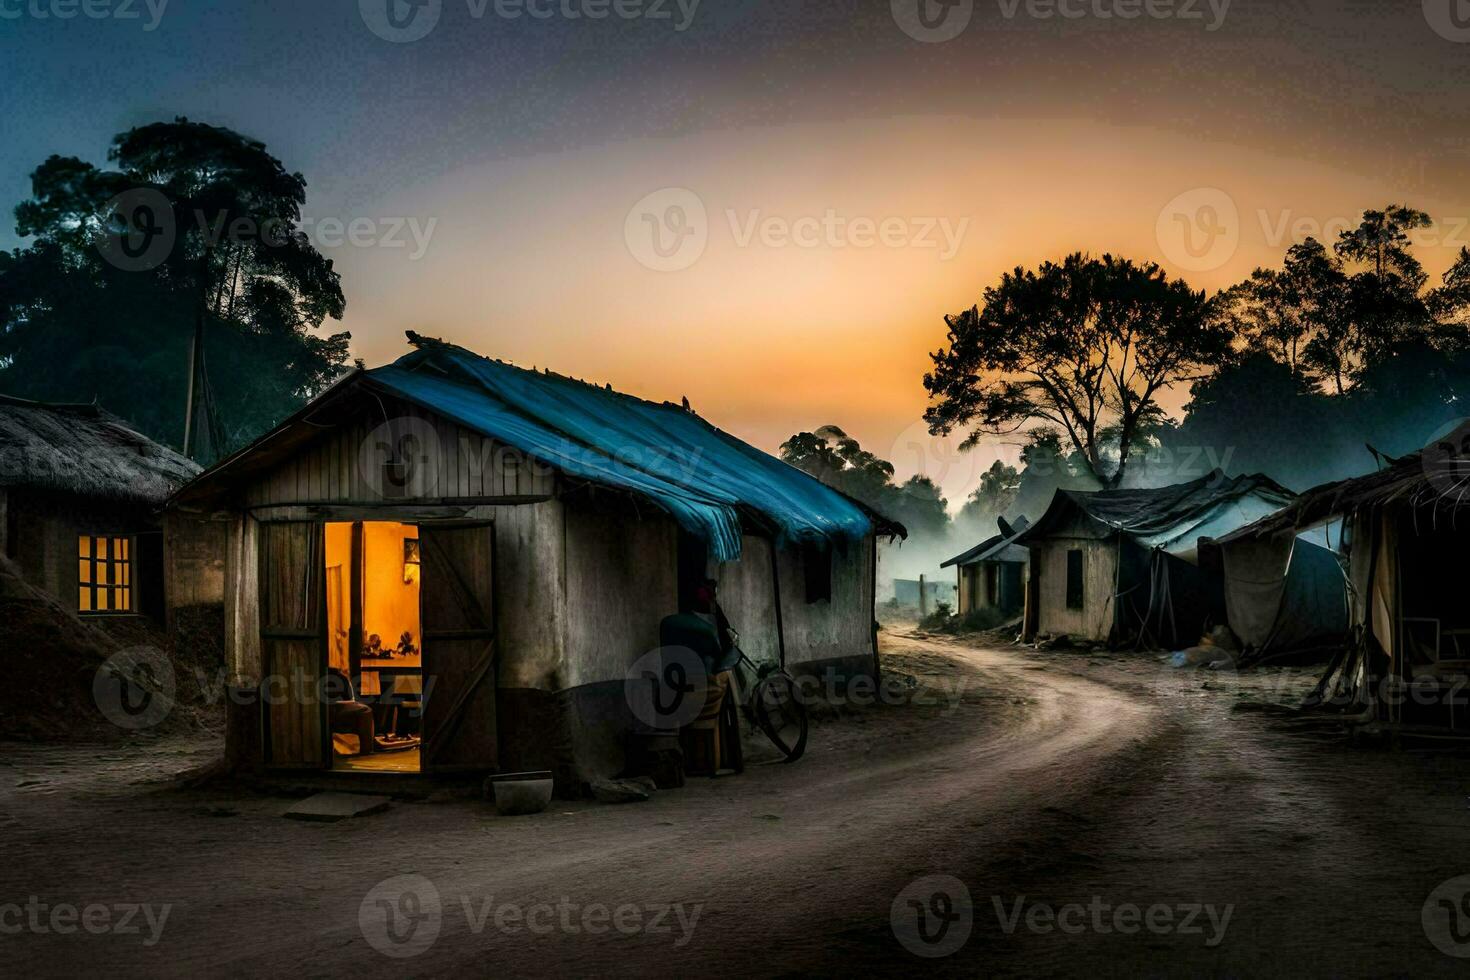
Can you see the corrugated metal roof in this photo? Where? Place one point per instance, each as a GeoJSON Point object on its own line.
{"type": "Point", "coordinates": [700, 475]}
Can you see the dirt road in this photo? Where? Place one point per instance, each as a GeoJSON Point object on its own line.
{"type": "Point", "coordinates": [1047, 813]}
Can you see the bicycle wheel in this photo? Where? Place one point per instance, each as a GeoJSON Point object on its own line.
{"type": "Point", "coordinates": [780, 714]}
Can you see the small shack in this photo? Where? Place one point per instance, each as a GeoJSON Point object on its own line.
{"type": "Point", "coordinates": [81, 497]}
{"type": "Point", "coordinates": [1122, 566]}
{"type": "Point", "coordinates": [991, 577]}
{"type": "Point", "coordinates": [493, 548]}
{"type": "Point", "coordinates": [1404, 531]}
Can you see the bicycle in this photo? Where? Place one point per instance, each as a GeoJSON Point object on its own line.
{"type": "Point", "coordinates": [773, 704]}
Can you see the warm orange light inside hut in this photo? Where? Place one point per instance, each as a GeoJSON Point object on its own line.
{"type": "Point", "coordinates": [104, 574]}
{"type": "Point", "coordinates": [389, 582]}
{"type": "Point", "coordinates": [390, 601]}
{"type": "Point", "coordinates": [373, 638]}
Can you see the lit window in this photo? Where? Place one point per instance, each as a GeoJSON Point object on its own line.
{"type": "Point", "coordinates": [104, 574]}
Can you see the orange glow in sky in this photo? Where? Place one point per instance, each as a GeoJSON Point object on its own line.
{"type": "Point", "coordinates": [782, 324]}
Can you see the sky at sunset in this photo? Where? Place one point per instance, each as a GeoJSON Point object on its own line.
{"type": "Point", "coordinates": [770, 210]}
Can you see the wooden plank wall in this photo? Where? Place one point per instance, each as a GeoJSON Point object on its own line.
{"type": "Point", "coordinates": [338, 467]}
{"type": "Point", "coordinates": [1094, 621]}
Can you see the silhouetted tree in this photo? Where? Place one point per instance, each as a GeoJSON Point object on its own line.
{"type": "Point", "coordinates": [835, 458]}
{"type": "Point", "coordinates": [194, 226]}
{"type": "Point", "coordinates": [1080, 347]}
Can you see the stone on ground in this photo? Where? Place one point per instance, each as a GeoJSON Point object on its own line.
{"type": "Point", "coordinates": [330, 807]}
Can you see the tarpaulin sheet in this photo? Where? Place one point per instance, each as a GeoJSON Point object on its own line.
{"type": "Point", "coordinates": [668, 455]}
{"type": "Point", "coordinates": [1283, 593]}
{"type": "Point", "coordinates": [1173, 518]}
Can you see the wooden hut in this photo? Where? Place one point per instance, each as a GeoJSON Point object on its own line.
{"type": "Point", "coordinates": [991, 577]}
{"type": "Point", "coordinates": [81, 496]}
{"type": "Point", "coordinates": [490, 550]}
{"type": "Point", "coordinates": [1122, 566]}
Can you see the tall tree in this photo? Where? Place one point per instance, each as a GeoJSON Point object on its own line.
{"type": "Point", "coordinates": [835, 458]}
{"type": "Point", "coordinates": [1386, 297]}
{"type": "Point", "coordinates": [1083, 347]}
{"type": "Point", "coordinates": [193, 230]}
{"type": "Point", "coordinates": [1382, 241]}
{"type": "Point", "coordinates": [1302, 314]}
{"type": "Point", "coordinates": [995, 495]}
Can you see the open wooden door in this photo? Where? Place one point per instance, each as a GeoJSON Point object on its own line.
{"type": "Point", "coordinates": [458, 607]}
{"type": "Point", "coordinates": [292, 645]}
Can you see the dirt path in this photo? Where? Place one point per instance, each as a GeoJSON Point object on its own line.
{"type": "Point", "coordinates": [1047, 780]}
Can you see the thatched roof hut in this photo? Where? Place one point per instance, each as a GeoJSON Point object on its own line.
{"type": "Point", "coordinates": [83, 450]}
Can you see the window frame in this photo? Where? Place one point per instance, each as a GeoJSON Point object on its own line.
{"type": "Point", "coordinates": [817, 572]}
{"type": "Point", "coordinates": [1076, 594]}
{"type": "Point", "coordinates": [97, 576]}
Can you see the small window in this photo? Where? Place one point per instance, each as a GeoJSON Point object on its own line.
{"type": "Point", "coordinates": [817, 563]}
{"type": "Point", "coordinates": [104, 574]}
{"type": "Point", "coordinates": [1074, 579]}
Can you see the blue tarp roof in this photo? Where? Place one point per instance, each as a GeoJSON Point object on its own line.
{"type": "Point", "coordinates": [665, 453]}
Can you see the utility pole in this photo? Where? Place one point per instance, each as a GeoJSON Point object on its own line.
{"type": "Point", "coordinates": [195, 349]}
{"type": "Point", "coordinates": [196, 362]}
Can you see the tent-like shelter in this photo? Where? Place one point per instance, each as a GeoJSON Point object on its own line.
{"type": "Point", "coordinates": [1284, 595]}
{"type": "Point", "coordinates": [1122, 566]}
{"type": "Point", "coordinates": [1404, 532]}
{"type": "Point", "coordinates": [992, 575]}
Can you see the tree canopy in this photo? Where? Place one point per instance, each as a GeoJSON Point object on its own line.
{"type": "Point", "coordinates": [1295, 370]}
{"type": "Point", "coordinates": [190, 225]}
{"type": "Point", "coordinates": [835, 458]}
{"type": "Point", "coordinates": [1081, 348]}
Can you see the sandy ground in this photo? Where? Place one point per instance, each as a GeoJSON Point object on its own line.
{"type": "Point", "coordinates": [1111, 791]}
